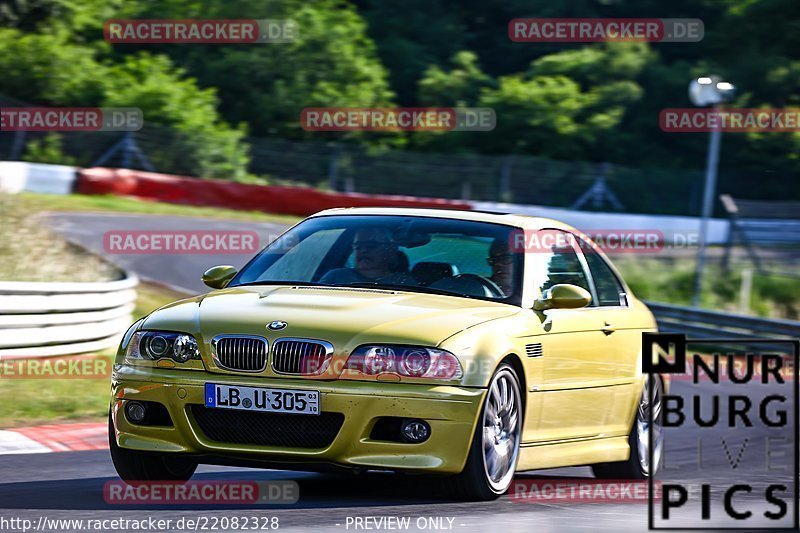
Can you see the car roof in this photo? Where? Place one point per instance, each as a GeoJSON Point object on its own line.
{"type": "Point", "coordinates": [509, 219]}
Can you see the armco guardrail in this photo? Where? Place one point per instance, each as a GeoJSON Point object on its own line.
{"type": "Point", "coordinates": [704, 324]}
{"type": "Point", "coordinates": [40, 319]}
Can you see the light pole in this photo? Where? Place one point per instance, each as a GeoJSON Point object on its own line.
{"type": "Point", "coordinates": [708, 91]}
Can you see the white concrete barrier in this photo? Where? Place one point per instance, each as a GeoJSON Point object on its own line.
{"type": "Point", "coordinates": [13, 176]}
{"type": "Point", "coordinates": [677, 230]}
{"type": "Point", "coordinates": [18, 176]}
{"type": "Point", "coordinates": [47, 319]}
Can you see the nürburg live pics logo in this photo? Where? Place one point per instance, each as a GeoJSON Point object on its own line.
{"type": "Point", "coordinates": [730, 434]}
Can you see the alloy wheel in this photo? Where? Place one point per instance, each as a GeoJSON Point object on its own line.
{"type": "Point", "coordinates": [501, 430]}
{"type": "Point", "coordinates": [643, 427]}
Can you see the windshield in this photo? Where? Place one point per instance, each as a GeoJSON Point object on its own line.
{"type": "Point", "coordinates": [434, 255]}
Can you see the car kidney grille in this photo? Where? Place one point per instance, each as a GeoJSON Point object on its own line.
{"type": "Point", "coordinates": [248, 354]}
{"type": "Point", "coordinates": [300, 356]}
{"type": "Point", "coordinates": [268, 429]}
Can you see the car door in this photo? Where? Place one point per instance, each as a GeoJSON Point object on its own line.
{"type": "Point", "coordinates": [623, 331]}
{"type": "Point", "coordinates": [577, 357]}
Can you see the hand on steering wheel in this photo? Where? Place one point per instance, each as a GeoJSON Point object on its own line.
{"type": "Point", "coordinates": [494, 290]}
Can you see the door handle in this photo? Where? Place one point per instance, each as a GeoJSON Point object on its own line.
{"type": "Point", "coordinates": [608, 329]}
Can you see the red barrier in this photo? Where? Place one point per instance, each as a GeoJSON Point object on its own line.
{"type": "Point", "coordinates": [300, 201]}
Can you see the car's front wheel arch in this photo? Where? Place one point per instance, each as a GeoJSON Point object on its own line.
{"type": "Point", "coordinates": [515, 362]}
{"type": "Point", "coordinates": [495, 443]}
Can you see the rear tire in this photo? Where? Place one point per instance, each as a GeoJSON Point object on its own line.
{"type": "Point", "coordinates": [133, 465]}
{"type": "Point", "coordinates": [492, 458]}
{"type": "Point", "coordinates": [637, 465]}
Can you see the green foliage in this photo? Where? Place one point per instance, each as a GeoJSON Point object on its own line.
{"type": "Point", "coordinates": [776, 296]}
{"type": "Point", "coordinates": [48, 69]}
{"type": "Point", "coordinates": [671, 280]}
{"type": "Point", "coordinates": [332, 63]}
{"type": "Point", "coordinates": [612, 112]}
{"type": "Point", "coordinates": [48, 149]}
{"type": "Point", "coordinates": [45, 68]}
{"type": "Point", "coordinates": [589, 102]}
{"type": "Point", "coordinates": [203, 144]}
{"type": "Point", "coordinates": [460, 86]}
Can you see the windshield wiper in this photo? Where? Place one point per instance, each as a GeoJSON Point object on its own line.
{"type": "Point", "coordinates": [401, 287]}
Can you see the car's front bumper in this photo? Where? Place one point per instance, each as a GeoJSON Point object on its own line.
{"type": "Point", "coordinates": [450, 411]}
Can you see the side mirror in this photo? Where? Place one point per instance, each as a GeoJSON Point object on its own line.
{"type": "Point", "coordinates": [219, 276]}
{"type": "Point", "coordinates": [563, 296]}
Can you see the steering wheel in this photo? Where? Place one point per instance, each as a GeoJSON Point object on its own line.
{"type": "Point", "coordinates": [488, 285]}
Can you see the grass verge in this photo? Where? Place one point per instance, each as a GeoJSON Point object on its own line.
{"type": "Point", "coordinates": [31, 252]}
{"type": "Point", "coordinates": [672, 281]}
{"type": "Point", "coordinates": [122, 204]}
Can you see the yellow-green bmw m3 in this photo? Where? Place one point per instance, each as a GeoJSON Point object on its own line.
{"type": "Point", "coordinates": [463, 344]}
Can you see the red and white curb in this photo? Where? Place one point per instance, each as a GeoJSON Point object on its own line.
{"type": "Point", "coordinates": [54, 438]}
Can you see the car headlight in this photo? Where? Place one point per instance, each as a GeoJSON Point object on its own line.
{"type": "Point", "coordinates": [153, 345]}
{"type": "Point", "coordinates": [410, 361]}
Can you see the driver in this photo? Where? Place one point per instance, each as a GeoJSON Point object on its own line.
{"type": "Point", "coordinates": [502, 262]}
{"type": "Point", "coordinates": [377, 258]}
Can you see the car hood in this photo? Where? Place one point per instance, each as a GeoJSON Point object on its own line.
{"type": "Point", "coordinates": [345, 317]}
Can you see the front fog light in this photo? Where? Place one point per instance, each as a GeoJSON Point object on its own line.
{"type": "Point", "coordinates": [135, 412]}
{"type": "Point", "coordinates": [415, 431]}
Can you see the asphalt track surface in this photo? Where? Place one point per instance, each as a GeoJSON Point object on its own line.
{"type": "Point", "coordinates": [181, 271]}
{"type": "Point", "coordinates": [70, 485]}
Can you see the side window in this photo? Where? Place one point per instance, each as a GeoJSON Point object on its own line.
{"type": "Point", "coordinates": [555, 261]}
{"type": "Point", "coordinates": [609, 290]}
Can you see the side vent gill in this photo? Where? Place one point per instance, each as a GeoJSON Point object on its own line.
{"type": "Point", "coordinates": [533, 350]}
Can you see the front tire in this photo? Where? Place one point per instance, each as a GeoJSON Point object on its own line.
{"type": "Point", "coordinates": [132, 465]}
{"type": "Point", "coordinates": [492, 459]}
{"type": "Point", "coordinates": [638, 464]}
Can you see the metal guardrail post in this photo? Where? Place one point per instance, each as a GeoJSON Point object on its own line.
{"type": "Point", "coordinates": [505, 179]}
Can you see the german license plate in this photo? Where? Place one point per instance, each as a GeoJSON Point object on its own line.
{"type": "Point", "coordinates": [262, 399]}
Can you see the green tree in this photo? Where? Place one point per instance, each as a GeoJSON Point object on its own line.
{"type": "Point", "coordinates": [200, 142]}
{"type": "Point", "coordinates": [333, 63]}
{"type": "Point", "coordinates": [48, 149]}
{"type": "Point", "coordinates": [47, 69]}
{"type": "Point", "coordinates": [460, 86]}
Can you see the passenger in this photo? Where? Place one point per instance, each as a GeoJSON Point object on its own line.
{"type": "Point", "coordinates": [502, 262]}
